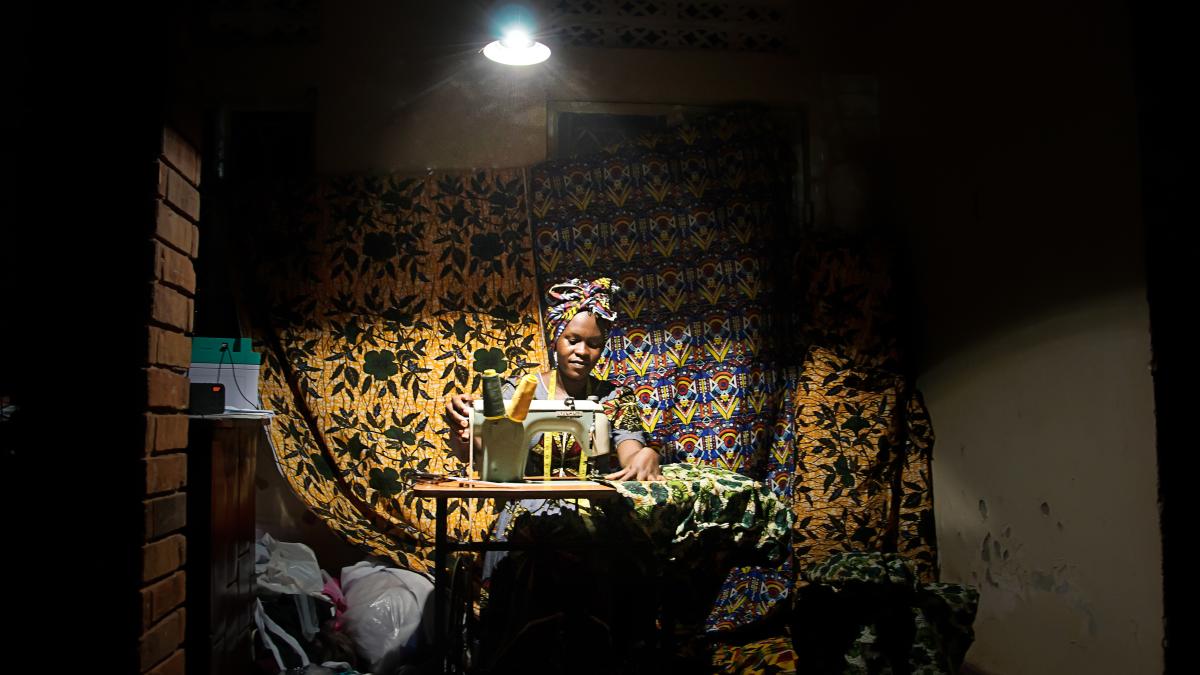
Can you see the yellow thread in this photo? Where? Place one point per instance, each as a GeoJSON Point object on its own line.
{"type": "Point", "coordinates": [547, 444]}
{"type": "Point", "coordinates": [519, 405]}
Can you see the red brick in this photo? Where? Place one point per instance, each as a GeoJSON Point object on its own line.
{"type": "Point", "coordinates": [175, 230]}
{"type": "Point", "coordinates": [150, 422]}
{"type": "Point", "coordinates": [174, 665]}
{"type": "Point", "coordinates": [165, 473]}
{"type": "Point", "coordinates": [163, 171]}
{"type": "Point", "coordinates": [174, 268]}
{"type": "Point", "coordinates": [168, 348]}
{"type": "Point", "coordinates": [182, 195]}
{"type": "Point", "coordinates": [164, 515]}
{"type": "Point", "coordinates": [162, 597]}
{"type": "Point", "coordinates": [158, 642]}
{"type": "Point", "coordinates": [181, 155]}
{"type": "Point", "coordinates": [163, 557]}
{"type": "Point", "coordinates": [171, 308]}
{"type": "Point", "coordinates": [166, 389]}
{"type": "Point", "coordinates": [166, 432]}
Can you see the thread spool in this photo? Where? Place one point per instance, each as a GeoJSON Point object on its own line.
{"type": "Point", "coordinates": [524, 394]}
{"type": "Point", "coordinates": [493, 396]}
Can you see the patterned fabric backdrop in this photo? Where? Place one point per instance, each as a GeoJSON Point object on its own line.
{"type": "Point", "coordinates": [684, 221]}
{"type": "Point", "coordinates": [401, 279]}
{"type": "Point", "coordinates": [844, 296]}
{"type": "Point", "coordinates": [689, 221]}
{"type": "Point", "coordinates": [846, 316]}
{"type": "Point", "coordinates": [754, 594]}
{"type": "Point", "coordinates": [852, 443]}
{"type": "Point", "coordinates": [381, 289]}
{"type": "Point", "coordinates": [848, 490]}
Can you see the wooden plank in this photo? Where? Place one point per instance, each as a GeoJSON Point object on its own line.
{"type": "Point", "coordinates": [533, 490]}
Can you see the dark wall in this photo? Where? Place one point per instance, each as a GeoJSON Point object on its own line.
{"type": "Point", "coordinates": [84, 132]}
{"type": "Point", "coordinates": [1012, 134]}
{"type": "Point", "coordinates": [1166, 132]}
{"type": "Point", "coordinates": [1011, 167]}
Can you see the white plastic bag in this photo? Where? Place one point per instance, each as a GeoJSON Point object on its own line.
{"type": "Point", "coordinates": [287, 568]}
{"type": "Point", "coordinates": [384, 611]}
{"type": "Point", "coordinates": [269, 632]}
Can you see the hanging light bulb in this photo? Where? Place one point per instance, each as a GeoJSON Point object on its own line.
{"type": "Point", "coordinates": [517, 48]}
{"type": "Point", "coordinates": [516, 25]}
{"type": "Point", "coordinates": [517, 38]}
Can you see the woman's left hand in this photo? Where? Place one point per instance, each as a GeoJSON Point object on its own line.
{"type": "Point", "coordinates": [642, 466]}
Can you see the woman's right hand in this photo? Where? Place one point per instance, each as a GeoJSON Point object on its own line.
{"type": "Point", "coordinates": [458, 417]}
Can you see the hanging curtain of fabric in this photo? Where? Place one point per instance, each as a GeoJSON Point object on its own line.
{"type": "Point", "coordinates": [384, 289]}
{"type": "Point", "coordinates": [684, 220]}
{"type": "Point", "coordinates": [381, 288]}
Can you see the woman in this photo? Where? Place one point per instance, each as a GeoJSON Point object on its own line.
{"type": "Point", "coordinates": [602, 602]}
{"type": "Point", "coordinates": [579, 317]}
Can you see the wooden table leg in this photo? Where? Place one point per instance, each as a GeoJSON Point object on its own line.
{"type": "Point", "coordinates": [440, 582]}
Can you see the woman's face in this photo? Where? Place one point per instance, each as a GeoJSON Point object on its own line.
{"type": "Point", "coordinates": [579, 347]}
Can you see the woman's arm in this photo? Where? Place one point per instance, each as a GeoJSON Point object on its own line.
{"type": "Point", "coordinates": [458, 417]}
{"type": "Point", "coordinates": [638, 462]}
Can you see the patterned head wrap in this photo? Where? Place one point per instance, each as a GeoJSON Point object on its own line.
{"type": "Point", "coordinates": [565, 300]}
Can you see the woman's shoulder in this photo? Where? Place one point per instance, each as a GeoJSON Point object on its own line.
{"type": "Point", "coordinates": [621, 408]}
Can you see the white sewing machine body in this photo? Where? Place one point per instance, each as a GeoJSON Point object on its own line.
{"type": "Point", "coordinates": [506, 442]}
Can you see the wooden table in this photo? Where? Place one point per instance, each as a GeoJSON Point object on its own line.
{"type": "Point", "coordinates": [445, 490]}
{"type": "Point", "coordinates": [219, 572]}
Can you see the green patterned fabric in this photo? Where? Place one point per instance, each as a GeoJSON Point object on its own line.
{"type": "Point", "coordinates": [859, 614]}
{"type": "Point", "coordinates": [869, 613]}
{"type": "Point", "coordinates": [694, 508]}
{"type": "Point", "coordinates": [705, 506]}
{"type": "Point", "coordinates": [656, 542]}
{"type": "Point", "coordinates": [863, 568]}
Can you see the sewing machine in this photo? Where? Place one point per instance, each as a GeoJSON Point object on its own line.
{"type": "Point", "coordinates": [506, 438]}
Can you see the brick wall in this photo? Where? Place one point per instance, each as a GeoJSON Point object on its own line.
{"type": "Point", "coordinates": [171, 294]}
